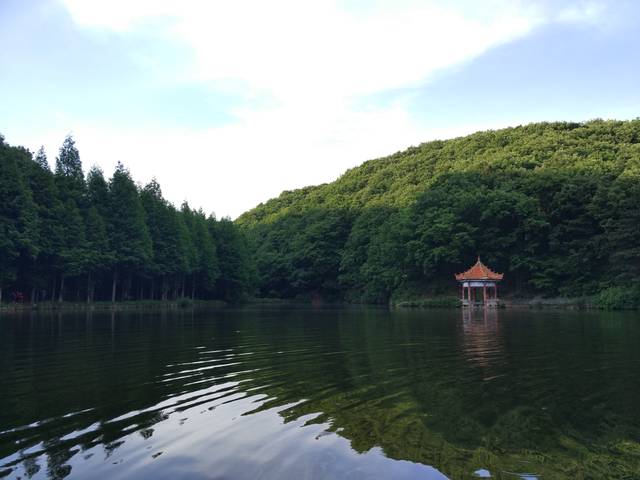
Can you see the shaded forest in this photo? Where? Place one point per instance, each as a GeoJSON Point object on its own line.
{"type": "Point", "coordinates": [65, 236]}
{"type": "Point", "coordinates": [555, 206]}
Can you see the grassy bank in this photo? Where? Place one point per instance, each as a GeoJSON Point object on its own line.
{"type": "Point", "coordinates": [613, 298]}
{"type": "Point", "coordinates": [435, 302]}
{"type": "Point", "coordinates": [128, 305]}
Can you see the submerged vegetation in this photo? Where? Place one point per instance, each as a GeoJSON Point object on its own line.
{"type": "Point", "coordinates": [64, 236]}
{"type": "Point", "coordinates": [554, 205]}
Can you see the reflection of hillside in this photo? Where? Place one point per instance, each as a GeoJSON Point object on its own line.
{"type": "Point", "coordinates": [406, 390]}
{"type": "Point", "coordinates": [427, 387]}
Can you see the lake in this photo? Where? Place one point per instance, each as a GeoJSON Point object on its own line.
{"type": "Point", "coordinates": [320, 393]}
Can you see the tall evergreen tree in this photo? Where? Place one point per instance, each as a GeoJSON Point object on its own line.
{"type": "Point", "coordinates": [98, 191]}
{"type": "Point", "coordinates": [97, 254]}
{"type": "Point", "coordinates": [68, 163]}
{"type": "Point", "coordinates": [130, 241]}
{"type": "Point", "coordinates": [18, 216]}
{"type": "Point", "coordinates": [50, 222]}
{"type": "Point", "coordinates": [169, 238]}
{"type": "Point", "coordinates": [236, 269]}
{"type": "Point", "coordinates": [203, 256]}
{"type": "Point", "coordinates": [41, 159]}
{"type": "Point", "coordinates": [72, 193]}
{"type": "Point", "coordinates": [73, 254]}
{"type": "Point", "coordinates": [99, 257]}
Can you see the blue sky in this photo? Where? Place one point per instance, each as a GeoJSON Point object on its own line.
{"type": "Point", "coordinates": [229, 103]}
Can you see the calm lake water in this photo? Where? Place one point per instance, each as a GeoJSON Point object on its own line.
{"type": "Point", "coordinates": [297, 393]}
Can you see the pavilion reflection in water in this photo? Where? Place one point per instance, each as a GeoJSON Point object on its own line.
{"type": "Point", "coordinates": [482, 336]}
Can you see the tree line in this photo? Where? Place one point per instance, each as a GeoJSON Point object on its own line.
{"type": "Point", "coordinates": [555, 206]}
{"type": "Point", "coordinates": [67, 236]}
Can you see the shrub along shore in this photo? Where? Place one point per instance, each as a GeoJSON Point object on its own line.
{"type": "Point", "coordinates": [614, 299]}
{"type": "Point", "coordinates": [181, 303]}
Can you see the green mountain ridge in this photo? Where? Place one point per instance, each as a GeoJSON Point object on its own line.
{"type": "Point", "coordinates": [553, 205]}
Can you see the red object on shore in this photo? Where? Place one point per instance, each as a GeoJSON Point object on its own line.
{"type": "Point", "coordinates": [479, 276]}
{"type": "Point", "coordinates": [479, 272]}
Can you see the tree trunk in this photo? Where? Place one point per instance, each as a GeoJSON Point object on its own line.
{"type": "Point", "coordinates": [61, 292]}
{"type": "Point", "coordinates": [89, 287]}
{"type": "Point", "coordinates": [153, 287]}
{"type": "Point", "coordinates": [164, 288]}
{"type": "Point", "coordinates": [183, 285]}
{"type": "Point", "coordinates": [33, 295]}
{"type": "Point", "coordinates": [193, 287]}
{"type": "Point", "coordinates": [129, 280]}
{"type": "Point", "coordinates": [53, 289]}
{"type": "Point", "coordinates": [114, 286]}
{"type": "Point", "coordinates": [127, 288]}
{"type": "Point", "coordinates": [0, 293]}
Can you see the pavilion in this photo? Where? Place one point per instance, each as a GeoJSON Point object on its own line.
{"type": "Point", "coordinates": [479, 277]}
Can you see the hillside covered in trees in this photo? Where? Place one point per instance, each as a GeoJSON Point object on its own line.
{"type": "Point", "coordinates": [555, 206]}
{"type": "Point", "coordinates": [64, 236]}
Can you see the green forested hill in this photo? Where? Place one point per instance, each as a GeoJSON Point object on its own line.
{"type": "Point", "coordinates": [556, 206]}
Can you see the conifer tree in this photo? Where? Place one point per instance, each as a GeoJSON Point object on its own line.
{"type": "Point", "coordinates": [18, 216]}
{"type": "Point", "coordinates": [169, 238]}
{"type": "Point", "coordinates": [68, 163]}
{"type": "Point", "coordinates": [236, 272]}
{"type": "Point", "coordinates": [130, 241]}
{"type": "Point", "coordinates": [205, 270]}
{"type": "Point", "coordinates": [73, 253]}
{"type": "Point", "coordinates": [41, 158]}
{"type": "Point", "coordinates": [187, 260]}
{"type": "Point", "coordinates": [72, 193]}
{"type": "Point", "coordinates": [98, 191]}
{"type": "Point", "coordinates": [50, 234]}
{"type": "Point", "coordinates": [99, 252]}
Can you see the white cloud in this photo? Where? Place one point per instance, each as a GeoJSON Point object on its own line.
{"type": "Point", "coordinates": [313, 60]}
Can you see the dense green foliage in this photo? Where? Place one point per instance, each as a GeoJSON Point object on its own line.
{"type": "Point", "coordinates": [64, 236]}
{"type": "Point", "coordinates": [553, 205]}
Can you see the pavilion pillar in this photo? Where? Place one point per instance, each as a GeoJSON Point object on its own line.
{"type": "Point", "coordinates": [484, 294]}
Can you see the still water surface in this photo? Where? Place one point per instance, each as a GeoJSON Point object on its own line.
{"type": "Point", "coordinates": [297, 393]}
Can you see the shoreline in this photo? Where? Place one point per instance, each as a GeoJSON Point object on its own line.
{"type": "Point", "coordinates": [447, 302]}
{"type": "Point", "coordinates": [528, 303]}
{"type": "Point", "coordinates": [108, 305]}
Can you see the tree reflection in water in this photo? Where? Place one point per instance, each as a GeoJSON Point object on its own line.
{"type": "Point", "coordinates": [554, 395]}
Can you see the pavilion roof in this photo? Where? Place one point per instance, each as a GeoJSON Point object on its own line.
{"type": "Point", "coordinates": [479, 272]}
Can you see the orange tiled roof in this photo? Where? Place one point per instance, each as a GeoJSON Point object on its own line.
{"type": "Point", "coordinates": [479, 272]}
